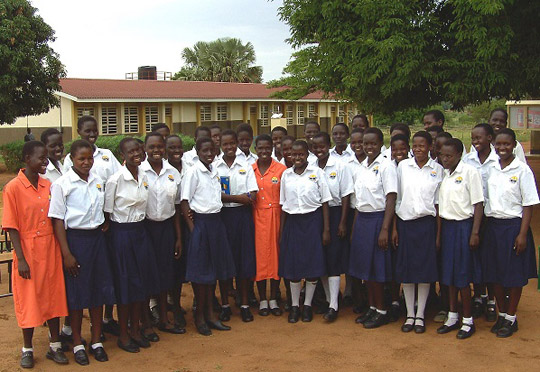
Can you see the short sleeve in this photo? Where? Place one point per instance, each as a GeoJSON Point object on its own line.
{"type": "Point", "coordinates": [346, 183]}
{"type": "Point", "coordinates": [251, 181]}
{"type": "Point", "coordinates": [67, 163]}
{"type": "Point", "coordinates": [520, 153]}
{"type": "Point", "coordinates": [323, 187]}
{"type": "Point", "coordinates": [476, 192]}
{"type": "Point", "coordinates": [529, 194]}
{"type": "Point", "coordinates": [188, 186]}
{"type": "Point", "coordinates": [389, 179]}
{"type": "Point", "coordinates": [115, 164]}
{"type": "Point", "coordinates": [178, 197]}
{"type": "Point", "coordinates": [282, 190]}
{"type": "Point", "coordinates": [10, 215]}
{"type": "Point", "coordinates": [57, 208]}
{"type": "Point", "coordinates": [110, 193]}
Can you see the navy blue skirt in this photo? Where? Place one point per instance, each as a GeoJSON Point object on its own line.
{"type": "Point", "coordinates": [500, 264]}
{"type": "Point", "coordinates": [368, 261]}
{"type": "Point", "coordinates": [209, 256]}
{"type": "Point", "coordinates": [337, 252]}
{"type": "Point", "coordinates": [181, 264]}
{"type": "Point", "coordinates": [301, 253]}
{"type": "Point", "coordinates": [417, 252]}
{"type": "Point", "coordinates": [133, 263]}
{"type": "Point", "coordinates": [241, 235]}
{"type": "Point", "coordinates": [94, 286]}
{"type": "Point", "coordinates": [162, 240]}
{"type": "Point", "coordinates": [460, 265]}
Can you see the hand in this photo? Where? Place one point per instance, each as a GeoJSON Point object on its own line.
{"type": "Point", "coordinates": [190, 215]}
{"type": "Point", "coordinates": [24, 269]}
{"type": "Point", "coordinates": [71, 265]}
{"type": "Point", "coordinates": [395, 239]}
{"type": "Point", "coordinates": [326, 237]}
{"type": "Point", "coordinates": [342, 230]}
{"type": "Point", "coordinates": [520, 244]}
{"type": "Point", "coordinates": [474, 241]}
{"type": "Point", "coordinates": [383, 239]}
{"type": "Point", "coordinates": [105, 226]}
{"type": "Point", "coordinates": [244, 199]}
{"type": "Point", "coordinates": [178, 249]}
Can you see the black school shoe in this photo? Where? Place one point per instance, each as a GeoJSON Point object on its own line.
{"type": "Point", "coordinates": [27, 359]}
{"type": "Point", "coordinates": [447, 329]}
{"type": "Point", "coordinates": [407, 327]}
{"type": "Point", "coordinates": [462, 335]}
{"type": "Point", "coordinates": [376, 321]}
{"type": "Point", "coordinates": [225, 314]}
{"type": "Point", "coordinates": [130, 346]}
{"type": "Point", "coordinates": [82, 358]}
{"type": "Point", "coordinates": [497, 325]}
{"type": "Point", "coordinates": [322, 308]}
{"type": "Point", "coordinates": [507, 329]}
{"type": "Point", "coordinates": [331, 315]}
{"type": "Point", "coordinates": [307, 314]}
{"type": "Point", "coordinates": [294, 314]}
{"type": "Point", "coordinates": [264, 311]}
{"type": "Point", "coordinates": [57, 356]}
{"type": "Point", "coordinates": [246, 314]}
{"type": "Point", "coordinates": [217, 325]}
{"type": "Point", "coordinates": [367, 315]}
{"type": "Point", "coordinates": [276, 311]}
{"type": "Point", "coordinates": [180, 320]}
{"type": "Point", "coordinates": [419, 328]}
{"type": "Point", "coordinates": [491, 313]}
{"type": "Point", "coordinates": [478, 308]}
{"type": "Point", "coordinates": [395, 313]}
{"type": "Point", "coordinates": [112, 327]}
{"type": "Point", "coordinates": [99, 354]}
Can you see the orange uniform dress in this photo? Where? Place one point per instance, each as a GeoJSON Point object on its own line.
{"type": "Point", "coordinates": [43, 296]}
{"type": "Point", "coordinates": [267, 214]}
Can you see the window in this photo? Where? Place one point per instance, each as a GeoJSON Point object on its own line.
{"type": "Point", "coordinates": [300, 115]}
{"type": "Point", "coordinates": [311, 110]}
{"type": "Point", "coordinates": [151, 117]}
{"type": "Point", "coordinates": [289, 114]}
{"type": "Point", "coordinates": [222, 111]}
{"type": "Point", "coordinates": [109, 120]}
{"type": "Point", "coordinates": [168, 111]}
{"type": "Point", "coordinates": [131, 119]}
{"type": "Point", "coordinates": [264, 115]}
{"type": "Point", "coordinates": [341, 113]}
{"type": "Point", "coordinates": [206, 112]}
{"type": "Point", "coordinates": [276, 108]}
{"type": "Point", "coordinates": [81, 111]}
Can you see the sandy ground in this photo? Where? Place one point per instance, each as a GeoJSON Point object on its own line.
{"type": "Point", "coordinates": [271, 344]}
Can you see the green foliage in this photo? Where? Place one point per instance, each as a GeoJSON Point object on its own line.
{"type": "Point", "coordinates": [225, 59]}
{"type": "Point", "coordinates": [29, 67]}
{"type": "Point", "coordinates": [12, 155]}
{"type": "Point", "coordinates": [188, 142]}
{"type": "Point", "coordinates": [392, 55]}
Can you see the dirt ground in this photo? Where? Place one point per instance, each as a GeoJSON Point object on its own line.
{"type": "Point", "coordinates": [271, 344]}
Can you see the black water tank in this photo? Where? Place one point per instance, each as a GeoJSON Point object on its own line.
{"type": "Point", "coordinates": [147, 73]}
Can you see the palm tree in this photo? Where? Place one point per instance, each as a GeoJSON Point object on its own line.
{"type": "Point", "coordinates": [225, 59]}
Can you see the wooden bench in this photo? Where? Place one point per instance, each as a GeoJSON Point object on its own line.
{"type": "Point", "coordinates": [6, 257]}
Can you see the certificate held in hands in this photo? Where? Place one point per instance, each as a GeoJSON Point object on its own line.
{"type": "Point", "coordinates": [225, 185]}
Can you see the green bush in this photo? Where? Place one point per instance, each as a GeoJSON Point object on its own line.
{"type": "Point", "coordinates": [188, 142]}
{"type": "Point", "coordinates": [12, 154]}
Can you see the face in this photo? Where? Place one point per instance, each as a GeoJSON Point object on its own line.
{"type": "Point", "coordinates": [37, 161]}
{"type": "Point", "coordinates": [310, 130]}
{"type": "Point", "coordinates": [429, 120]}
{"type": "Point", "coordinates": [264, 150]}
{"type": "Point", "coordinates": [449, 157]}
{"type": "Point", "coordinates": [206, 153]}
{"type": "Point", "coordinates": [174, 149]}
{"type": "Point", "coordinates": [400, 151]}
{"type": "Point", "coordinates": [357, 144]}
{"type": "Point", "coordinates": [479, 139]}
{"type": "Point", "coordinates": [439, 143]}
{"type": "Point", "coordinates": [497, 121]}
{"type": "Point", "coordinates": [244, 141]}
{"type": "Point", "coordinates": [132, 153]}
{"type": "Point", "coordinates": [359, 123]}
{"type": "Point", "coordinates": [286, 150]}
{"type": "Point", "coordinates": [155, 149]}
{"type": "Point", "coordinates": [339, 135]}
{"type": "Point", "coordinates": [89, 132]}
{"type": "Point", "coordinates": [55, 147]}
{"type": "Point", "coordinates": [229, 146]}
{"type": "Point", "coordinates": [299, 156]}
{"type": "Point", "coordinates": [215, 134]}
{"type": "Point", "coordinates": [320, 148]}
{"type": "Point", "coordinates": [83, 160]}
{"type": "Point", "coordinates": [165, 132]}
{"type": "Point", "coordinates": [276, 139]}
{"type": "Point", "coordinates": [372, 145]}
{"type": "Point", "coordinates": [420, 148]}
{"type": "Point", "coordinates": [504, 146]}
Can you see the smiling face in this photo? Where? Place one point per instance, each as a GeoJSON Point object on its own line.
{"type": "Point", "coordinates": [480, 139]}
{"type": "Point", "coordinates": [83, 160]}
{"type": "Point", "coordinates": [299, 156]}
{"type": "Point", "coordinates": [320, 148]}
{"type": "Point", "coordinates": [55, 147]}
{"type": "Point", "coordinates": [449, 157]}
{"type": "Point", "coordinates": [229, 145]}
{"type": "Point", "coordinates": [357, 144]}
{"type": "Point", "coordinates": [131, 152]}
{"type": "Point", "coordinates": [174, 149]}
{"type": "Point", "coordinates": [206, 153]}
{"type": "Point", "coordinates": [155, 149]}
{"type": "Point", "coordinates": [89, 131]}
{"type": "Point", "coordinates": [372, 145]}
{"type": "Point", "coordinates": [264, 150]}
{"type": "Point", "coordinates": [286, 150]}
{"type": "Point", "coordinates": [37, 161]}
{"type": "Point", "coordinates": [420, 148]}
{"type": "Point", "coordinates": [504, 146]}
{"type": "Point", "coordinates": [497, 121]}
{"type": "Point", "coordinates": [244, 141]}
{"type": "Point", "coordinates": [400, 151]}
{"type": "Point", "coordinates": [340, 136]}
{"type": "Point", "coordinates": [310, 130]}
{"type": "Point", "coordinates": [276, 139]}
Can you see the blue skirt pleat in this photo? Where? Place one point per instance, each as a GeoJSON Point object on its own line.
{"type": "Point", "coordinates": [94, 286]}
{"type": "Point", "coordinates": [417, 251]}
{"type": "Point", "coordinates": [181, 264]}
{"type": "Point", "coordinates": [209, 256]}
{"type": "Point", "coordinates": [162, 240]}
{"type": "Point", "coordinates": [367, 260]}
{"type": "Point", "coordinates": [133, 263]}
{"type": "Point", "coordinates": [500, 264]}
{"type": "Point", "coordinates": [241, 235]}
{"type": "Point", "coordinates": [460, 265]}
{"type": "Point", "coordinates": [337, 252]}
{"type": "Point", "coordinates": [301, 253]}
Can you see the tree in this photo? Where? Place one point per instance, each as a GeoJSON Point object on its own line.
{"type": "Point", "coordinates": [225, 59]}
{"type": "Point", "coordinates": [30, 70]}
{"type": "Point", "coordinates": [392, 55]}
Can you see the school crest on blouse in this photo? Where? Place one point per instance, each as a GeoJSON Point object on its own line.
{"type": "Point", "coordinates": [275, 179]}
{"type": "Point", "coordinates": [171, 178]}
{"type": "Point", "coordinates": [333, 175]}
{"type": "Point", "coordinates": [145, 185]}
{"type": "Point", "coordinates": [376, 169]}
{"type": "Point", "coordinates": [433, 173]}
{"type": "Point", "coordinates": [242, 171]}
{"type": "Point", "coordinates": [105, 158]}
{"type": "Point", "coordinates": [513, 179]}
{"type": "Point", "coordinates": [313, 177]}
{"type": "Point", "coordinates": [459, 180]}
{"type": "Point", "coordinates": [98, 186]}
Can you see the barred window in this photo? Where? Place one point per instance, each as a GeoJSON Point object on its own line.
{"type": "Point", "coordinates": [109, 120]}
{"type": "Point", "coordinates": [131, 119]}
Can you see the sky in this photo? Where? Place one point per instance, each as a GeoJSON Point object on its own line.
{"type": "Point", "coordinates": [107, 38]}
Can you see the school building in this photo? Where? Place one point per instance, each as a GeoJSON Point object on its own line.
{"type": "Point", "coordinates": [133, 106]}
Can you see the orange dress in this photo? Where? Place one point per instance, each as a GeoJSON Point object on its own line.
{"type": "Point", "coordinates": [43, 296]}
{"type": "Point", "coordinates": [267, 214]}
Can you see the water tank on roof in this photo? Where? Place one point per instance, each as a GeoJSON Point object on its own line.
{"type": "Point", "coordinates": [147, 73]}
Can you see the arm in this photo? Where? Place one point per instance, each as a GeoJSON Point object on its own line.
{"type": "Point", "coordinates": [282, 219]}
{"type": "Point", "coordinates": [521, 240]}
{"type": "Point", "coordinates": [389, 211]}
{"type": "Point", "coordinates": [22, 265]}
{"type": "Point", "coordinates": [345, 206]}
{"type": "Point", "coordinates": [70, 263]}
{"type": "Point", "coordinates": [242, 198]}
{"type": "Point", "coordinates": [326, 224]}
{"type": "Point", "coordinates": [395, 237]}
{"type": "Point", "coordinates": [178, 231]}
{"type": "Point", "coordinates": [474, 241]}
{"type": "Point", "coordinates": [184, 208]}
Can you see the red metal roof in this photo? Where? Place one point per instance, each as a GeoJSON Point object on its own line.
{"type": "Point", "coordinates": [175, 89]}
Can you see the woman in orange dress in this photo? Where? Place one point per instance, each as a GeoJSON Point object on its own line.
{"type": "Point", "coordinates": [38, 279]}
{"type": "Point", "coordinates": [266, 214]}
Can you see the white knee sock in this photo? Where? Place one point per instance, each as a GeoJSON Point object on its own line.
{"type": "Point", "coordinates": [324, 282]}
{"type": "Point", "coordinates": [310, 290]}
{"type": "Point", "coordinates": [423, 292]}
{"type": "Point", "coordinates": [334, 282]}
{"type": "Point", "coordinates": [348, 286]}
{"type": "Point", "coordinates": [408, 292]}
{"type": "Point", "coordinates": [295, 293]}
